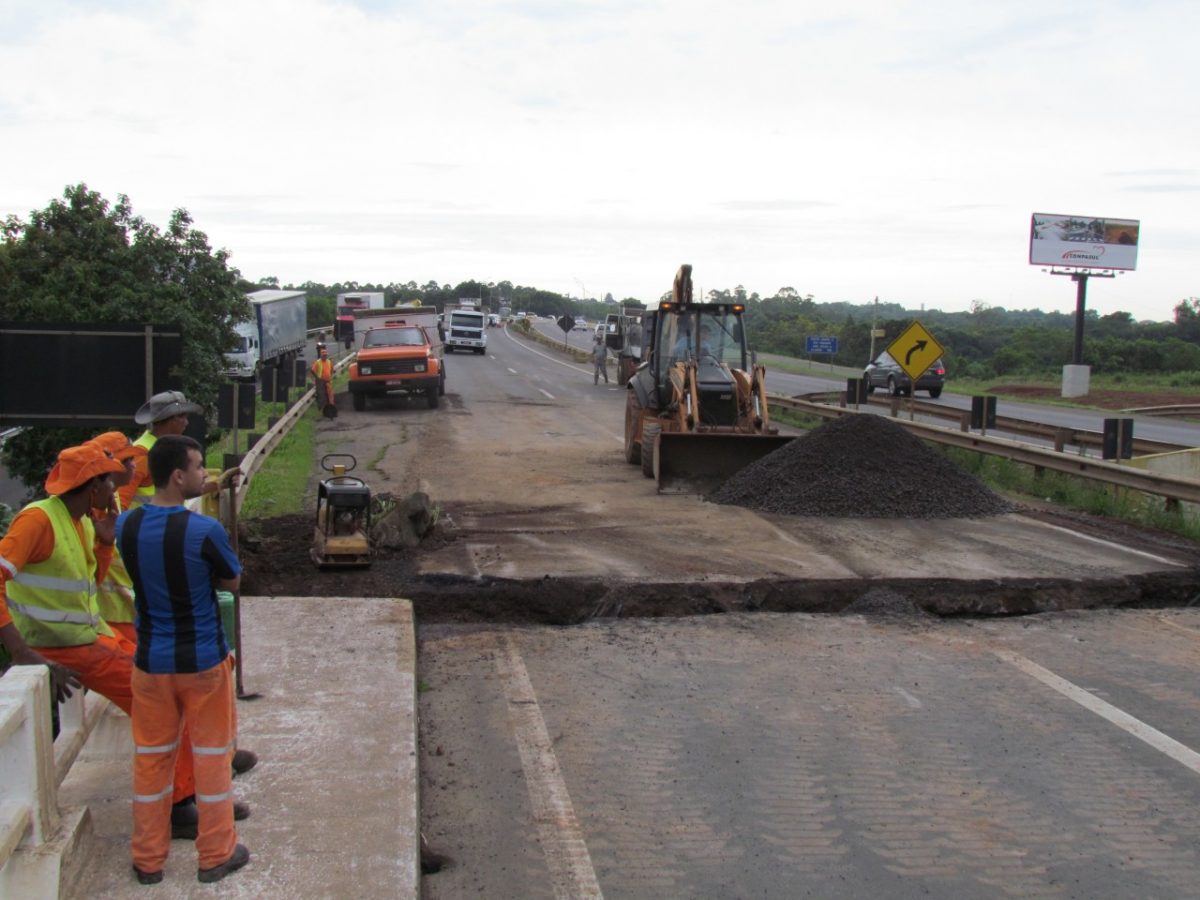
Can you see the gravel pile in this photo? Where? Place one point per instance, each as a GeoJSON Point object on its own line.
{"type": "Point", "coordinates": [860, 466]}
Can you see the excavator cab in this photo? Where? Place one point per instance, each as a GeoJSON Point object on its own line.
{"type": "Point", "coordinates": [696, 408]}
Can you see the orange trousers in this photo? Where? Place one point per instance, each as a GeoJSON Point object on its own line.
{"type": "Point", "coordinates": [125, 630]}
{"type": "Point", "coordinates": [106, 667]}
{"type": "Point", "coordinates": [162, 705]}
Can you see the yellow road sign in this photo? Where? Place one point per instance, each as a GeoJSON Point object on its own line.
{"type": "Point", "coordinates": [915, 350]}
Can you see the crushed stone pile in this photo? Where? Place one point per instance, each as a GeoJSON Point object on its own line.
{"type": "Point", "coordinates": [860, 466]}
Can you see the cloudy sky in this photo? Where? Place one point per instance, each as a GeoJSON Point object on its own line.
{"type": "Point", "coordinates": [847, 149]}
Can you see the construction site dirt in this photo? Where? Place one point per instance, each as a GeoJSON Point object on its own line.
{"type": "Point", "coordinates": [541, 520]}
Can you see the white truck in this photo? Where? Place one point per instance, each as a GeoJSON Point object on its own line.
{"type": "Point", "coordinates": [466, 329]}
{"type": "Point", "coordinates": [274, 335]}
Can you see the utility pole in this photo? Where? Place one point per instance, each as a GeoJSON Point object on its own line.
{"type": "Point", "coordinates": [874, 322]}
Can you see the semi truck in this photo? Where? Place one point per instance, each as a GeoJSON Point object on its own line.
{"type": "Point", "coordinates": [274, 335]}
{"type": "Point", "coordinates": [347, 304]}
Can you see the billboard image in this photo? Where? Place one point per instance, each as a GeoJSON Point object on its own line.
{"type": "Point", "coordinates": [1081, 242]}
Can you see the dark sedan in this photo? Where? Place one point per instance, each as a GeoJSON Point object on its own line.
{"type": "Point", "coordinates": [885, 372]}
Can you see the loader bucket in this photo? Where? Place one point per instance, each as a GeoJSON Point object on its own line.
{"type": "Point", "coordinates": [691, 463]}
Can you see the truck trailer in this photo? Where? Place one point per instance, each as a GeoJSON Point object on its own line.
{"type": "Point", "coordinates": [347, 305]}
{"type": "Point", "coordinates": [274, 335]}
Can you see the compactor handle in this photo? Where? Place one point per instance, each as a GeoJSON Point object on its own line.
{"type": "Point", "coordinates": [333, 467]}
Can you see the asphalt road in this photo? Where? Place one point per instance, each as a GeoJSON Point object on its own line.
{"type": "Point", "coordinates": [780, 382]}
{"type": "Point", "coordinates": [769, 755]}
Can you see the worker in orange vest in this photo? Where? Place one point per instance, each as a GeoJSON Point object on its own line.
{"type": "Point", "coordinates": [322, 373]}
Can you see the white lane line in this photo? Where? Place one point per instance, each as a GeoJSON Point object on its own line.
{"type": "Point", "coordinates": [1105, 710]}
{"type": "Point", "coordinates": [559, 362]}
{"type": "Point", "coordinates": [511, 370]}
{"type": "Point", "coordinates": [547, 393]}
{"type": "Point", "coordinates": [1104, 543]}
{"type": "Point", "coordinates": [1192, 631]}
{"type": "Point", "coordinates": [562, 840]}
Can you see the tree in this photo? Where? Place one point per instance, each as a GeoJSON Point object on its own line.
{"type": "Point", "coordinates": [82, 260]}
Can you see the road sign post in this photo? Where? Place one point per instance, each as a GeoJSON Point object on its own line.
{"type": "Point", "coordinates": [915, 351]}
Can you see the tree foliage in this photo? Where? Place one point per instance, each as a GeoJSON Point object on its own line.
{"type": "Point", "coordinates": [82, 259]}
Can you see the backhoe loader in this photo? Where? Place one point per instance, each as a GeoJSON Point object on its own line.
{"type": "Point", "coordinates": [696, 408]}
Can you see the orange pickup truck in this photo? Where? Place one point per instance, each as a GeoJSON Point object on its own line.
{"type": "Point", "coordinates": [400, 359]}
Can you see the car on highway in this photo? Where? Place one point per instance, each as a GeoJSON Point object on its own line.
{"type": "Point", "coordinates": [885, 372]}
{"type": "Point", "coordinates": [580, 324]}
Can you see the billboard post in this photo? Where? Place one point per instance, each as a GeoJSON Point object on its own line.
{"type": "Point", "coordinates": [1082, 248]}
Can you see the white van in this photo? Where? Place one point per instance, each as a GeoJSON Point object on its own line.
{"type": "Point", "coordinates": [466, 329]}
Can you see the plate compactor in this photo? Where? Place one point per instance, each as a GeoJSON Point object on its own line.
{"type": "Point", "coordinates": [343, 516]}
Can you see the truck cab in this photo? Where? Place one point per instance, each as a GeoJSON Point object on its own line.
{"type": "Point", "coordinates": [466, 329]}
{"type": "Point", "coordinates": [397, 358]}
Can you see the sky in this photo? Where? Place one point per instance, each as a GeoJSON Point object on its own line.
{"type": "Point", "coordinates": [848, 150]}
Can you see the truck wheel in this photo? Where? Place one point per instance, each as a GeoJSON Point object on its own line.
{"type": "Point", "coordinates": [650, 433]}
{"type": "Point", "coordinates": [442, 383]}
{"type": "Point", "coordinates": [431, 394]}
{"type": "Point", "coordinates": [360, 402]}
{"type": "Point", "coordinates": [633, 450]}
{"type": "Point", "coordinates": [480, 350]}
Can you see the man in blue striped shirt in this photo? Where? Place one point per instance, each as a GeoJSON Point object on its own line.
{"type": "Point", "coordinates": [182, 674]}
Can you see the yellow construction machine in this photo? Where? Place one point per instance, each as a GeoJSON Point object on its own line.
{"type": "Point", "coordinates": [696, 407]}
{"type": "Point", "coordinates": [340, 537]}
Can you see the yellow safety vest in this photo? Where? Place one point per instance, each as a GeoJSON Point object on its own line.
{"type": "Point", "coordinates": [145, 491]}
{"type": "Point", "coordinates": [53, 602]}
{"type": "Point", "coordinates": [115, 593]}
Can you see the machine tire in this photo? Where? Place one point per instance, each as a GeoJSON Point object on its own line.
{"type": "Point", "coordinates": [431, 396]}
{"type": "Point", "coordinates": [360, 402]}
{"type": "Point", "coordinates": [442, 383]}
{"type": "Point", "coordinates": [935, 393]}
{"type": "Point", "coordinates": [633, 451]}
{"type": "Point", "coordinates": [650, 433]}
{"type": "Point", "coordinates": [480, 350]}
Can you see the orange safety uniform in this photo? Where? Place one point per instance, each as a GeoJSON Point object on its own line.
{"type": "Point", "coordinates": [105, 665]}
{"type": "Point", "coordinates": [322, 370]}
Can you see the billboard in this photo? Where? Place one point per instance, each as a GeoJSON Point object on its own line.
{"type": "Point", "coordinates": [84, 375]}
{"type": "Point", "coordinates": [1080, 242]}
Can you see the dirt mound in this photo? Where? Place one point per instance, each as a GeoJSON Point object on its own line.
{"type": "Point", "coordinates": [860, 466]}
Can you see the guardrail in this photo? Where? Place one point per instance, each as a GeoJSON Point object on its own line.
{"type": "Point", "coordinates": [1172, 487]}
{"type": "Point", "coordinates": [32, 766]}
{"type": "Point", "coordinates": [1178, 409]}
{"type": "Point", "coordinates": [1060, 436]}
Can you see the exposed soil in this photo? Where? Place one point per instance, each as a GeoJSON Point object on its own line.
{"type": "Point", "coordinates": [860, 467]}
{"type": "Point", "coordinates": [1101, 399]}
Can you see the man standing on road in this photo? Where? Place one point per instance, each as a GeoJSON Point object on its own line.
{"type": "Point", "coordinates": [322, 373]}
{"type": "Point", "coordinates": [182, 675]}
{"type": "Point", "coordinates": [599, 360]}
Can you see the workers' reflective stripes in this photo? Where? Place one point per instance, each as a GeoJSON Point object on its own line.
{"type": "Point", "coordinates": [213, 798]}
{"type": "Point", "coordinates": [114, 588]}
{"type": "Point", "coordinates": [154, 798]}
{"type": "Point", "coordinates": [163, 748]}
{"type": "Point", "coordinates": [12, 570]}
{"type": "Point", "coordinates": [50, 583]}
{"type": "Point", "coordinates": [54, 615]}
{"type": "Point", "coordinates": [211, 751]}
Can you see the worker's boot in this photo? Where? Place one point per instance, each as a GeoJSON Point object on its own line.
{"type": "Point", "coordinates": [240, 857]}
{"type": "Point", "coordinates": [185, 818]}
{"type": "Point", "coordinates": [244, 761]}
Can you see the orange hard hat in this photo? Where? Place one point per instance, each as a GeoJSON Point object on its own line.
{"type": "Point", "coordinates": [78, 465]}
{"type": "Point", "coordinates": [117, 445]}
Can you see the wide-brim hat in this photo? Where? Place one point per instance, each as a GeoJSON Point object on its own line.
{"type": "Point", "coordinates": [164, 406]}
{"type": "Point", "coordinates": [78, 465]}
{"type": "Point", "coordinates": [117, 445]}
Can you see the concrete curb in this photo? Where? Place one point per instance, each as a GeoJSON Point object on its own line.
{"type": "Point", "coordinates": [336, 811]}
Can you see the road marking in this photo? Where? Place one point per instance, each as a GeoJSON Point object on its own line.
{"type": "Point", "coordinates": [559, 362]}
{"type": "Point", "coordinates": [512, 370]}
{"type": "Point", "coordinates": [913, 702]}
{"type": "Point", "coordinates": [561, 838]}
{"type": "Point", "coordinates": [1136, 727]}
{"type": "Point", "coordinates": [1192, 631]}
{"type": "Point", "coordinates": [1104, 543]}
{"type": "Point", "coordinates": [547, 393]}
